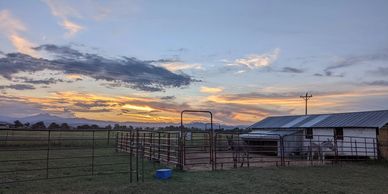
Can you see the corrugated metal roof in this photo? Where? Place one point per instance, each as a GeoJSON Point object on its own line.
{"type": "Point", "coordinates": [268, 134]}
{"type": "Point", "coordinates": [373, 119]}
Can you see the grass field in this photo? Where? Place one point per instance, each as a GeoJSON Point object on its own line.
{"type": "Point", "coordinates": [74, 149]}
{"type": "Point", "coordinates": [349, 178]}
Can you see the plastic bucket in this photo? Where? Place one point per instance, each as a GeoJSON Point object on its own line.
{"type": "Point", "coordinates": [164, 173]}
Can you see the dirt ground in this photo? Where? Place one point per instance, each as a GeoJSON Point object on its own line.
{"type": "Point", "coordinates": [200, 161]}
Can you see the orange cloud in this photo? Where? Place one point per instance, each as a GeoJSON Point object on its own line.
{"type": "Point", "coordinates": [23, 45]}
{"type": "Point", "coordinates": [71, 27]}
{"type": "Point", "coordinates": [11, 27]}
{"type": "Point", "coordinates": [205, 89]}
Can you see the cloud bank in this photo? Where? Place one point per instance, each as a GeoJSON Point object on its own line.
{"type": "Point", "coordinates": [129, 71]}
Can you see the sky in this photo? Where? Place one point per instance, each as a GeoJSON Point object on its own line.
{"type": "Point", "coordinates": [145, 61]}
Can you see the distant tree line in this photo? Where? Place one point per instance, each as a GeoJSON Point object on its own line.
{"type": "Point", "coordinates": [65, 126]}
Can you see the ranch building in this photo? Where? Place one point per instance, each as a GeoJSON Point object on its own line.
{"type": "Point", "coordinates": [355, 134]}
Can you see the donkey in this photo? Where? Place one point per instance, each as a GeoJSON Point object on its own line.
{"type": "Point", "coordinates": [320, 149]}
{"type": "Point", "coordinates": [239, 150]}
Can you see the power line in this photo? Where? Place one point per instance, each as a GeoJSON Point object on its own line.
{"type": "Point", "coordinates": [306, 97]}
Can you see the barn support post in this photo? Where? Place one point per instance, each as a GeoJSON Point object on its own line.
{"type": "Point", "coordinates": [93, 144]}
{"type": "Point", "coordinates": [48, 154]}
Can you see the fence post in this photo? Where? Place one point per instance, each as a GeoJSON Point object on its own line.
{"type": "Point", "coordinates": [93, 154]}
{"type": "Point", "coordinates": [117, 141]}
{"type": "Point", "coordinates": [215, 151]}
{"type": "Point", "coordinates": [351, 146]}
{"type": "Point", "coordinates": [151, 145]}
{"type": "Point", "coordinates": [374, 150]}
{"type": "Point", "coordinates": [108, 137]}
{"type": "Point", "coordinates": [130, 157]}
{"type": "Point", "coordinates": [355, 144]}
{"type": "Point", "coordinates": [48, 154]}
{"type": "Point", "coordinates": [121, 141]}
{"type": "Point", "coordinates": [366, 148]}
{"type": "Point", "coordinates": [142, 158]}
{"type": "Point", "coordinates": [311, 157]}
{"type": "Point", "coordinates": [6, 138]}
{"type": "Point", "coordinates": [137, 155]}
{"type": "Point", "coordinates": [336, 150]}
{"type": "Point", "coordinates": [282, 163]}
{"type": "Point", "coordinates": [168, 147]}
{"type": "Point", "coordinates": [126, 141]}
{"type": "Point", "coordinates": [159, 146]}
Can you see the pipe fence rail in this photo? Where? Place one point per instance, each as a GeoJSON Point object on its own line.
{"type": "Point", "coordinates": [28, 155]}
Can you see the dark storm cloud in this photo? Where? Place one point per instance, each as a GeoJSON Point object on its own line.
{"type": "Point", "coordinates": [381, 71]}
{"type": "Point", "coordinates": [378, 83]}
{"type": "Point", "coordinates": [18, 87]}
{"type": "Point", "coordinates": [291, 70]}
{"type": "Point", "coordinates": [351, 61]}
{"type": "Point", "coordinates": [140, 75]}
{"type": "Point", "coordinates": [168, 97]}
{"type": "Point", "coordinates": [42, 81]}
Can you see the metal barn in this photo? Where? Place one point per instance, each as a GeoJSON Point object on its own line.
{"type": "Point", "coordinates": [354, 134]}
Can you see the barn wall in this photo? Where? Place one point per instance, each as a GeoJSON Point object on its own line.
{"type": "Point", "coordinates": [356, 142]}
{"type": "Point", "coordinates": [383, 141]}
{"type": "Point", "coordinates": [293, 143]}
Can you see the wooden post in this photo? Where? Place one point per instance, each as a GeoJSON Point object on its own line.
{"type": "Point", "coordinates": [168, 147]}
{"type": "Point", "coordinates": [48, 154]}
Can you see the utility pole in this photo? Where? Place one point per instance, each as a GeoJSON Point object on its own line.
{"type": "Point", "coordinates": [306, 97]}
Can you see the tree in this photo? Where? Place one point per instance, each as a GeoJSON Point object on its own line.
{"type": "Point", "coordinates": [108, 127]}
{"type": "Point", "coordinates": [53, 126]}
{"type": "Point", "coordinates": [65, 126]}
{"type": "Point", "coordinates": [27, 125]}
{"type": "Point", "coordinates": [39, 125]}
{"type": "Point", "coordinates": [18, 124]}
{"type": "Point", "coordinates": [83, 127]}
{"type": "Point", "coordinates": [94, 126]}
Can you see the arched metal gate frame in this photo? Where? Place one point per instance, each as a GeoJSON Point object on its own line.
{"type": "Point", "coordinates": [181, 159]}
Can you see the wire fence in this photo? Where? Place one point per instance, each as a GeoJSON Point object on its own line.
{"type": "Point", "coordinates": [224, 150]}
{"type": "Point", "coordinates": [28, 155]}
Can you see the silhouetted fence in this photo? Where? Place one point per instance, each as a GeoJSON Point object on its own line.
{"type": "Point", "coordinates": [222, 150]}
{"type": "Point", "coordinates": [27, 155]}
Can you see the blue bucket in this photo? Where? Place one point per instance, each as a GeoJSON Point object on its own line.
{"type": "Point", "coordinates": [164, 173]}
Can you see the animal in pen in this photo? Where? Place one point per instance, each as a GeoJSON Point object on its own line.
{"type": "Point", "coordinates": [240, 151]}
{"type": "Point", "coordinates": [320, 150]}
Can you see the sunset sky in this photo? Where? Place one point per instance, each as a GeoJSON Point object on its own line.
{"type": "Point", "coordinates": [145, 61]}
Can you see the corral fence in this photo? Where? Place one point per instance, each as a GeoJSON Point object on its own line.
{"type": "Point", "coordinates": [27, 155]}
{"type": "Point", "coordinates": [194, 150]}
{"type": "Point", "coordinates": [44, 154]}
